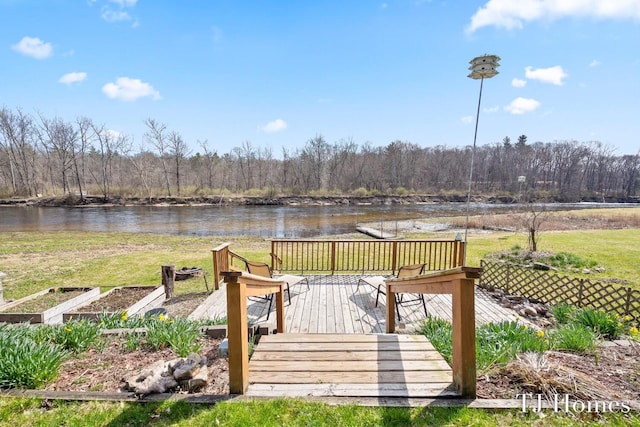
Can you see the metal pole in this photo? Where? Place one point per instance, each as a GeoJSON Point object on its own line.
{"type": "Point", "coordinates": [473, 152]}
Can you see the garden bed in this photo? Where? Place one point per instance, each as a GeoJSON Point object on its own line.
{"type": "Point", "coordinates": [104, 369]}
{"type": "Point", "coordinates": [46, 306]}
{"type": "Point", "coordinates": [184, 305]}
{"type": "Point", "coordinates": [130, 299]}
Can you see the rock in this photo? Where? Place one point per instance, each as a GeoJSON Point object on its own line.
{"type": "Point", "coordinates": [223, 349]}
{"type": "Point", "coordinates": [190, 373]}
{"type": "Point", "coordinates": [600, 269]}
{"type": "Point", "coordinates": [586, 271]}
{"type": "Point", "coordinates": [529, 311]}
{"type": "Point", "coordinates": [541, 266]}
{"type": "Point", "coordinates": [506, 302]}
{"type": "Point", "coordinates": [153, 379]}
{"type": "Point", "coordinates": [515, 298]}
{"type": "Point", "coordinates": [188, 368]}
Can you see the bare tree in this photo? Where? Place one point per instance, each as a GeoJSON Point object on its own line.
{"type": "Point", "coordinates": [180, 151]}
{"type": "Point", "coordinates": [110, 144]}
{"type": "Point", "coordinates": [59, 138]}
{"type": "Point", "coordinates": [156, 136]}
{"type": "Point", "coordinates": [18, 140]}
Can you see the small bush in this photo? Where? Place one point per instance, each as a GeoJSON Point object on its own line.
{"type": "Point", "coordinates": [180, 334]}
{"type": "Point", "coordinates": [76, 335]}
{"type": "Point", "coordinates": [573, 337]}
{"type": "Point", "coordinates": [439, 333]}
{"type": "Point", "coordinates": [562, 312]}
{"type": "Point", "coordinates": [606, 324]}
{"type": "Point", "coordinates": [24, 362]}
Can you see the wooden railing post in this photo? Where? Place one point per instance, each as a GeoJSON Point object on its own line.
{"type": "Point", "coordinates": [464, 337]}
{"type": "Point", "coordinates": [237, 333]}
{"type": "Point", "coordinates": [391, 310]}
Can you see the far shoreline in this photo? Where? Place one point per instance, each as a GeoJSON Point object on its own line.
{"type": "Point", "coordinates": [305, 200]}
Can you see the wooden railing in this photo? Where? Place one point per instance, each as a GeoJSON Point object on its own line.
{"type": "Point", "coordinates": [224, 259]}
{"type": "Point", "coordinates": [361, 256]}
{"type": "Point", "coordinates": [241, 285]}
{"type": "Point", "coordinates": [458, 282]}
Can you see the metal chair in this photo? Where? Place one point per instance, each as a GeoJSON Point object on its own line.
{"type": "Point", "coordinates": [378, 282]}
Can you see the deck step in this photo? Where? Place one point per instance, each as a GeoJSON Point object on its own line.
{"type": "Point", "coordinates": [370, 365]}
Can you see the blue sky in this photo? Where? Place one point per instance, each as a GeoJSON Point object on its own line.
{"type": "Point", "coordinates": [277, 73]}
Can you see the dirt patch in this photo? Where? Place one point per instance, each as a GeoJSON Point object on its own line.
{"type": "Point", "coordinates": [105, 369]}
{"type": "Point", "coordinates": [116, 300]}
{"type": "Point", "coordinates": [183, 305]}
{"type": "Point", "coordinates": [613, 373]}
{"type": "Point", "coordinates": [46, 301]}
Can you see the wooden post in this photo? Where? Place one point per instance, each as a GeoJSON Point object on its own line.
{"type": "Point", "coordinates": [280, 310]}
{"type": "Point", "coordinates": [237, 333]}
{"type": "Point", "coordinates": [168, 279]}
{"type": "Point", "coordinates": [391, 310]}
{"type": "Point", "coordinates": [464, 333]}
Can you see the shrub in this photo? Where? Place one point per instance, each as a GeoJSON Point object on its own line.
{"type": "Point", "coordinates": [573, 337]}
{"type": "Point", "coordinates": [562, 312]}
{"type": "Point", "coordinates": [180, 334]}
{"type": "Point", "coordinates": [606, 324]}
{"type": "Point", "coordinates": [24, 362]}
{"type": "Point", "coordinates": [439, 333]}
{"type": "Point", "coordinates": [495, 342]}
{"type": "Point", "coordinates": [75, 335]}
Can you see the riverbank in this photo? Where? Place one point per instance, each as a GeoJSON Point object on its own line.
{"type": "Point", "coordinates": [307, 200]}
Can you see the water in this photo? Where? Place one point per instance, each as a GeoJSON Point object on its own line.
{"type": "Point", "coordinates": [265, 221]}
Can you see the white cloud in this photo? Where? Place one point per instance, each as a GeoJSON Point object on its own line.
{"type": "Point", "coordinates": [512, 14]}
{"type": "Point", "coordinates": [128, 89]}
{"type": "Point", "coordinates": [119, 14]}
{"type": "Point", "coordinates": [33, 47]}
{"type": "Point", "coordinates": [490, 110]}
{"type": "Point", "coordinates": [518, 83]}
{"type": "Point", "coordinates": [554, 75]}
{"type": "Point", "coordinates": [115, 15]}
{"type": "Point", "coordinates": [74, 77]}
{"type": "Point", "coordinates": [522, 105]}
{"type": "Point", "coordinates": [467, 120]}
{"type": "Point", "coordinates": [594, 63]}
{"type": "Point", "coordinates": [275, 126]}
{"type": "Point", "coordinates": [125, 3]}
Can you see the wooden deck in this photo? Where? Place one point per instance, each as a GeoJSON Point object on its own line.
{"type": "Point", "coordinates": [372, 365]}
{"type": "Point", "coordinates": [335, 304]}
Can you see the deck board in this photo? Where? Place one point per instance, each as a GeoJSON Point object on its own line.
{"type": "Point", "coordinates": [347, 308]}
{"type": "Point", "coordinates": [372, 365]}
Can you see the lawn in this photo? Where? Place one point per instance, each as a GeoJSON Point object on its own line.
{"type": "Point", "coordinates": [35, 261]}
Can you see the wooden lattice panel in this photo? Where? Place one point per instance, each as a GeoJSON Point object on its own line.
{"type": "Point", "coordinates": [552, 288]}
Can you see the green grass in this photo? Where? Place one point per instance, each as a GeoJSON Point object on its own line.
{"type": "Point", "coordinates": [280, 412]}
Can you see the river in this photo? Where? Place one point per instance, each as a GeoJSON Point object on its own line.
{"type": "Point", "coordinates": [265, 221]}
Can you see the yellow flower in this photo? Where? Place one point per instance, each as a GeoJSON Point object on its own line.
{"type": "Point", "coordinates": [161, 317]}
{"type": "Point", "coordinates": [124, 316]}
{"type": "Point", "coordinates": [627, 318]}
{"type": "Point", "coordinates": [619, 325]}
{"type": "Point", "coordinates": [633, 331]}
{"type": "Point", "coordinates": [540, 333]}
{"type": "Point", "coordinates": [67, 329]}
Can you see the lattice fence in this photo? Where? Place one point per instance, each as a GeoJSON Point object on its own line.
{"type": "Point", "coordinates": [552, 288]}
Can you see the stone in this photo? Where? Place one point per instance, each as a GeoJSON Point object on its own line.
{"type": "Point", "coordinates": [506, 302]}
{"type": "Point", "coordinates": [153, 379]}
{"type": "Point", "coordinates": [529, 311]}
{"type": "Point", "coordinates": [586, 271]}
{"type": "Point", "coordinates": [188, 368]}
{"type": "Point", "coordinates": [223, 349]}
{"type": "Point", "coordinates": [189, 373]}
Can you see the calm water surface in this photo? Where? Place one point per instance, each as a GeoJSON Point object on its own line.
{"type": "Point", "coordinates": [265, 221]}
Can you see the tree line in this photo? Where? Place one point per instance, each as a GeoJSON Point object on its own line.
{"type": "Point", "coordinates": [55, 157]}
